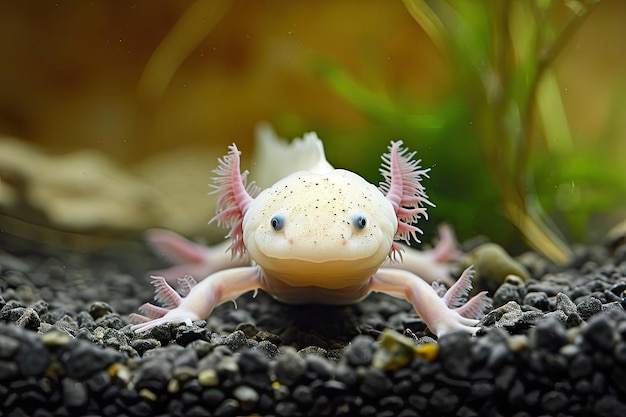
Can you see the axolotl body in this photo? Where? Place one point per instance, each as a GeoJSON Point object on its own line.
{"type": "Point", "coordinates": [323, 235]}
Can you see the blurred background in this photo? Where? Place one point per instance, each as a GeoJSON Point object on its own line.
{"type": "Point", "coordinates": [112, 113]}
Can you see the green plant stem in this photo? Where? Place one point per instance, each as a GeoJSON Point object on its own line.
{"type": "Point", "coordinates": [545, 59]}
{"type": "Point", "coordinates": [527, 215]}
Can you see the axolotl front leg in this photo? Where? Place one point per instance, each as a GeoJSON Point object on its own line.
{"type": "Point", "coordinates": [200, 300]}
{"type": "Point", "coordinates": [442, 314]}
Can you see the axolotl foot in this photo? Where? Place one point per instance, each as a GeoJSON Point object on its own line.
{"type": "Point", "coordinates": [153, 315]}
{"type": "Point", "coordinates": [442, 313]}
{"type": "Point", "coordinates": [197, 300]}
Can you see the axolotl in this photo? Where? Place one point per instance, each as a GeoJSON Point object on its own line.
{"type": "Point", "coordinates": [323, 235]}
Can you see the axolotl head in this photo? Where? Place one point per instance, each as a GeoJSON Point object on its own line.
{"type": "Point", "coordinates": [330, 230]}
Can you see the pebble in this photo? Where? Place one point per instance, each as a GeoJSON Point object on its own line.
{"type": "Point", "coordinates": [612, 307]}
{"type": "Point", "coordinates": [228, 408]}
{"type": "Point", "coordinates": [99, 309]}
{"type": "Point", "coordinates": [548, 334]}
{"type": "Point", "coordinates": [32, 358]}
{"type": "Point", "coordinates": [213, 396]}
{"type": "Point", "coordinates": [455, 354]}
{"type": "Point", "coordinates": [8, 370]}
{"type": "Point", "coordinates": [29, 319]}
{"type": "Point", "coordinates": [246, 396]}
{"type": "Point", "coordinates": [74, 393]}
{"type": "Point", "coordinates": [538, 300]}
{"type": "Point", "coordinates": [581, 366]}
{"type": "Point", "coordinates": [110, 321]}
{"type": "Point", "coordinates": [268, 348]}
{"type": "Point", "coordinates": [375, 383]}
{"type": "Point", "coordinates": [236, 340]}
{"type": "Point", "coordinates": [143, 345]}
{"type": "Point", "coordinates": [153, 375]}
{"type": "Point", "coordinates": [85, 321]}
{"type": "Point", "coordinates": [303, 394]}
{"type": "Point", "coordinates": [287, 409]}
{"type": "Point", "coordinates": [312, 351]}
{"type": "Point", "coordinates": [228, 369]}
{"type": "Point", "coordinates": [505, 377]}
{"type": "Point", "coordinates": [360, 351]}
{"type": "Point", "coordinates": [197, 411]}
{"type": "Point", "coordinates": [188, 334]}
{"type": "Point", "coordinates": [553, 401]}
{"type": "Point", "coordinates": [289, 367]}
{"type": "Point", "coordinates": [208, 378]}
{"type": "Point", "coordinates": [56, 339]}
{"type": "Point", "coordinates": [346, 374]}
{"type": "Point", "coordinates": [82, 359]}
{"type": "Point", "coordinates": [319, 368]}
{"type": "Point", "coordinates": [444, 401]}
{"type": "Point", "coordinates": [8, 346]}
{"type": "Point", "coordinates": [567, 306]}
{"type": "Point", "coordinates": [599, 332]}
{"type": "Point", "coordinates": [589, 307]}
{"type": "Point", "coordinates": [252, 362]}
{"type": "Point", "coordinates": [492, 317]}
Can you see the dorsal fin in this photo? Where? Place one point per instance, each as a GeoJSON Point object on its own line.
{"type": "Point", "coordinates": [402, 187]}
{"type": "Point", "coordinates": [276, 158]}
{"type": "Point", "coordinates": [234, 197]}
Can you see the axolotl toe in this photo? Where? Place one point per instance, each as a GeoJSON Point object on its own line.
{"type": "Point", "coordinates": [323, 235]}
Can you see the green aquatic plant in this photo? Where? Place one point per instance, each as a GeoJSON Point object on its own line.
{"type": "Point", "coordinates": [507, 48]}
{"type": "Point", "coordinates": [502, 54]}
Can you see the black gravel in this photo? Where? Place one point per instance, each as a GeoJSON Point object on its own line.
{"type": "Point", "coordinates": [554, 345]}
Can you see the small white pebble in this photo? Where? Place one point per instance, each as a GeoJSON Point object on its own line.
{"type": "Point", "coordinates": [572, 334]}
{"type": "Point", "coordinates": [56, 338]}
{"type": "Point", "coordinates": [98, 333]}
{"type": "Point", "coordinates": [208, 378]}
{"type": "Point", "coordinates": [173, 386]}
{"type": "Point", "coordinates": [518, 342]}
{"type": "Point", "coordinates": [146, 394]}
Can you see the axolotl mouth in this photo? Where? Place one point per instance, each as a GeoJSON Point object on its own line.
{"type": "Point", "coordinates": [334, 282]}
{"type": "Point", "coordinates": [301, 257]}
{"type": "Point", "coordinates": [331, 275]}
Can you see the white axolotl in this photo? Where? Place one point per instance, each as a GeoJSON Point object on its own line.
{"type": "Point", "coordinates": [323, 235]}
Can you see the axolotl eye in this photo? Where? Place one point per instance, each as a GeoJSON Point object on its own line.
{"type": "Point", "coordinates": [277, 222]}
{"type": "Point", "coordinates": [359, 221]}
